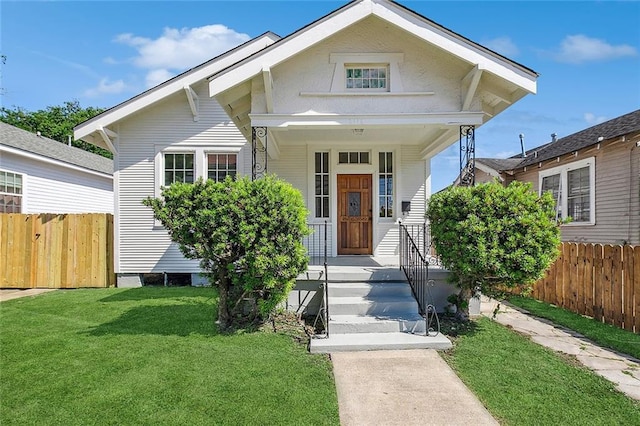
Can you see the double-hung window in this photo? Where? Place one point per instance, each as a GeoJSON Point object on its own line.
{"type": "Point", "coordinates": [10, 192]}
{"type": "Point", "coordinates": [219, 166]}
{"type": "Point", "coordinates": [178, 167]}
{"type": "Point", "coordinates": [573, 188]}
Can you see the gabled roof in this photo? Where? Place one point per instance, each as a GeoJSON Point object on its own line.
{"type": "Point", "coordinates": [623, 125]}
{"type": "Point", "coordinates": [614, 128]}
{"type": "Point", "coordinates": [390, 11]}
{"type": "Point", "coordinates": [500, 164]}
{"type": "Point", "coordinates": [174, 85]}
{"type": "Point", "coordinates": [25, 141]}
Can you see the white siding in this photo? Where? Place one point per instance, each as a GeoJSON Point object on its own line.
{"type": "Point", "coordinates": [51, 188]}
{"type": "Point", "coordinates": [143, 245]}
{"type": "Point", "coordinates": [424, 68]}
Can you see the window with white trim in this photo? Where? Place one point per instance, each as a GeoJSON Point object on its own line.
{"type": "Point", "coordinates": [385, 183]}
{"type": "Point", "coordinates": [353, 157]}
{"type": "Point", "coordinates": [321, 175]}
{"type": "Point", "coordinates": [367, 77]}
{"type": "Point", "coordinates": [573, 188]}
{"type": "Point", "coordinates": [219, 166]}
{"type": "Point", "coordinates": [178, 167]}
{"type": "Point", "coordinates": [10, 192]}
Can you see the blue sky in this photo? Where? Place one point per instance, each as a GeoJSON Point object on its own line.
{"type": "Point", "coordinates": [104, 52]}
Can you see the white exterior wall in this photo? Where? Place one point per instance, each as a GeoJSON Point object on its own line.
{"type": "Point", "coordinates": [51, 187]}
{"type": "Point", "coordinates": [141, 243]}
{"type": "Point", "coordinates": [424, 68]}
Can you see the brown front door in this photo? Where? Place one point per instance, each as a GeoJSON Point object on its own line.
{"type": "Point", "coordinates": [354, 214]}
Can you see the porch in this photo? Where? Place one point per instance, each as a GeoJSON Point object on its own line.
{"type": "Point", "coordinates": [373, 302]}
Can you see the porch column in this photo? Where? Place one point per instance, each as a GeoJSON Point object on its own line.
{"type": "Point", "coordinates": [467, 155]}
{"type": "Point", "coordinates": [258, 152]}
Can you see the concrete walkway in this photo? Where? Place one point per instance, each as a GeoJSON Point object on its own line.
{"type": "Point", "coordinates": [9, 294]}
{"type": "Point", "coordinates": [404, 387]}
{"type": "Point", "coordinates": [621, 369]}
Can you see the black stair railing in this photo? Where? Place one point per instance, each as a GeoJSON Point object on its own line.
{"type": "Point", "coordinates": [316, 244]}
{"type": "Point", "coordinates": [414, 262]}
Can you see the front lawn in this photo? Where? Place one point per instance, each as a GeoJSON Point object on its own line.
{"type": "Point", "coordinates": [523, 383]}
{"type": "Point", "coordinates": [605, 335]}
{"type": "Point", "coordinates": [151, 356]}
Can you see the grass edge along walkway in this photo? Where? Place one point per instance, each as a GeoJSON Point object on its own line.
{"type": "Point", "coordinates": [152, 356]}
{"type": "Point", "coordinates": [523, 383]}
{"type": "Point", "coordinates": [605, 335]}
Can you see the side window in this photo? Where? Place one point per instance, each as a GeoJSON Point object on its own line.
{"type": "Point", "coordinates": [321, 174]}
{"type": "Point", "coordinates": [219, 166]}
{"type": "Point", "coordinates": [385, 177]}
{"type": "Point", "coordinates": [552, 184]}
{"type": "Point", "coordinates": [10, 192]}
{"type": "Point", "coordinates": [178, 167]}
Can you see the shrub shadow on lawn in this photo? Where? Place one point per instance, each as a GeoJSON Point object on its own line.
{"type": "Point", "coordinates": [168, 320]}
{"type": "Point", "coordinates": [160, 292]}
{"type": "Point", "coordinates": [453, 328]}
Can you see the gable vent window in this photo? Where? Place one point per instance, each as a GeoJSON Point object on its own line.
{"type": "Point", "coordinates": [367, 77]}
{"type": "Point", "coordinates": [354, 158]}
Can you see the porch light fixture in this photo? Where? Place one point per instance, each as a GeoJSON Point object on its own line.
{"type": "Point", "coordinates": [358, 132]}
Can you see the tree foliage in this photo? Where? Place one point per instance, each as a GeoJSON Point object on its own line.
{"type": "Point", "coordinates": [246, 234]}
{"type": "Point", "coordinates": [55, 122]}
{"type": "Point", "coordinates": [492, 237]}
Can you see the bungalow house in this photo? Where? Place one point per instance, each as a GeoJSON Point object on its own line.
{"type": "Point", "coordinates": [350, 109]}
{"type": "Point", "coordinates": [41, 175]}
{"type": "Point", "coordinates": [593, 174]}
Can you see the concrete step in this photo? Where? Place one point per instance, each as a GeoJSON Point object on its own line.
{"type": "Point", "coordinates": [389, 305]}
{"type": "Point", "coordinates": [369, 289]}
{"type": "Point", "coordinates": [360, 274]}
{"type": "Point", "coordinates": [347, 324]}
{"type": "Point", "coordinates": [377, 341]}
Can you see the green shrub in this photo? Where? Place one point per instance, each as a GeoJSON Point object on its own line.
{"type": "Point", "coordinates": [492, 237]}
{"type": "Point", "coordinates": [246, 234]}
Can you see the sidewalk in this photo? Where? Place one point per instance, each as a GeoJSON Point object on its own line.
{"type": "Point", "coordinates": [404, 387]}
{"type": "Point", "coordinates": [621, 369]}
{"type": "Point", "coordinates": [10, 294]}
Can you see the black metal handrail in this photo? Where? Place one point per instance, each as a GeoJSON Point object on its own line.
{"type": "Point", "coordinates": [316, 244]}
{"type": "Point", "coordinates": [415, 265]}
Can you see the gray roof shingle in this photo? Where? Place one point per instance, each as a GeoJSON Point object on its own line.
{"type": "Point", "coordinates": [15, 137]}
{"type": "Point", "coordinates": [616, 127]}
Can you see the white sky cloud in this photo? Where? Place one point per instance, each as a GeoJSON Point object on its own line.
{"type": "Point", "coordinates": [106, 87]}
{"type": "Point", "coordinates": [503, 45]}
{"type": "Point", "coordinates": [179, 49]}
{"type": "Point", "coordinates": [593, 119]}
{"type": "Point", "coordinates": [577, 49]}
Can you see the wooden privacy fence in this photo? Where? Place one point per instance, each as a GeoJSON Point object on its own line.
{"type": "Point", "coordinates": [56, 250]}
{"type": "Point", "coordinates": [601, 281]}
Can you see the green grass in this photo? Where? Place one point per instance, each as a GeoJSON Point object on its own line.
{"type": "Point", "coordinates": [523, 383]}
{"type": "Point", "coordinates": [603, 334]}
{"type": "Point", "coordinates": [151, 356]}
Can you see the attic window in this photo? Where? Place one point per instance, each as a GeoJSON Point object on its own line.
{"type": "Point", "coordinates": [366, 72]}
{"type": "Point", "coordinates": [367, 77]}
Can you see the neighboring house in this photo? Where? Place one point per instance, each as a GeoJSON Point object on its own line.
{"type": "Point", "coordinates": [40, 175]}
{"type": "Point", "coordinates": [594, 176]}
{"type": "Point", "coordinates": [350, 109]}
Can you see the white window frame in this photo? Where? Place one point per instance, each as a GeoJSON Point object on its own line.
{"type": "Point", "coordinates": [22, 193]}
{"type": "Point", "coordinates": [199, 161]}
{"type": "Point", "coordinates": [343, 61]}
{"type": "Point", "coordinates": [563, 172]}
{"type": "Point", "coordinates": [226, 152]}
